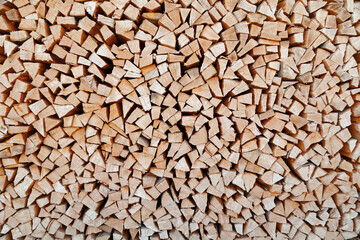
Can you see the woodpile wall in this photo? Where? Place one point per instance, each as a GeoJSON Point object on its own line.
{"type": "Point", "coordinates": [179, 119]}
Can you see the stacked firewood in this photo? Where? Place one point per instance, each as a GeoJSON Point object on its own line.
{"type": "Point", "coordinates": [183, 119]}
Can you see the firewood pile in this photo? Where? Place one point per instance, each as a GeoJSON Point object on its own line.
{"type": "Point", "coordinates": [183, 119]}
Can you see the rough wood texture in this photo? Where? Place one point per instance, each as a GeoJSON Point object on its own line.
{"type": "Point", "coordinates": [184, 119]}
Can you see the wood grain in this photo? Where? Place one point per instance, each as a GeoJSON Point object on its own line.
{"type": "Point", "coordinates": [183, 119]}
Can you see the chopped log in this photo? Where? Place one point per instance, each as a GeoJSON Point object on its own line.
{"type": "Point", "coordinates": [187, 119]}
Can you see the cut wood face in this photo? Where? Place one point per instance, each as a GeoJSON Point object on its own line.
{"type": "Point", "coordinates": [179, 119]}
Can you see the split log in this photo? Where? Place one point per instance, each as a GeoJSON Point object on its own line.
{"type": "Point", "coordinates": [190, 119]}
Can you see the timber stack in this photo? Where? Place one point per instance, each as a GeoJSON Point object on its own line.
{"type": "Point", "coordinates": [179, 119]}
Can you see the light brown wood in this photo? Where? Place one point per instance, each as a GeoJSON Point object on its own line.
{"type": "Point", "coordinates": [190, 119]}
